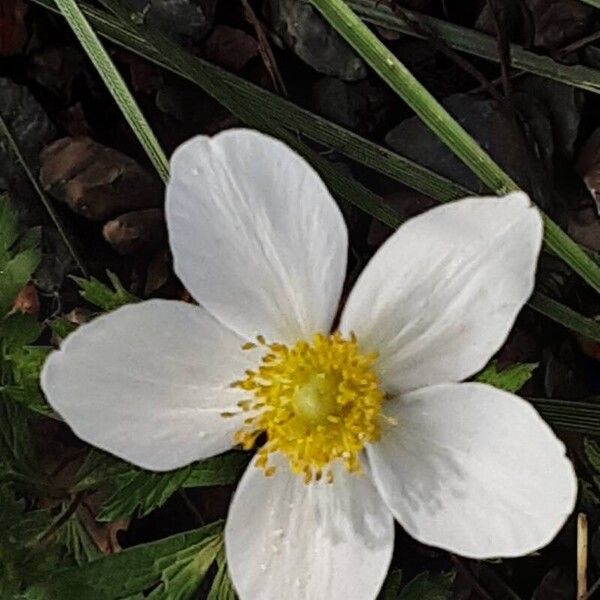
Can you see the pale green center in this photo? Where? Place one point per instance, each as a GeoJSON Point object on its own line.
{"type": "Point", "coordinates": [316, 399]}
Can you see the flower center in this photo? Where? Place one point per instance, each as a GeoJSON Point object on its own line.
{"type": "Point", "coordinates": [315, 402]}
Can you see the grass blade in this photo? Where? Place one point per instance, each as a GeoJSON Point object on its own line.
{"type": "Point", "coordinates": [7, 134]}
{"type": "Point", "coordinates": [115, 84]}
{"type": "Point", "coordinates": [565, 316]}
{"type": "Point", "coordinates": [402, 81]}
{"type": "Point", "coordinates": [479, 44]}
{"type": "Point", "coordinates": [248, 102]}
{"type": "Point", "coordinates": [260, 108]}
{"type": "Point", "coordinates": [579, 417]}
{"type": "Point", "coordinates": [441, 123]}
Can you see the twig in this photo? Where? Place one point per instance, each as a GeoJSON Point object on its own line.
{"type": "Point", "coordinates": [593, 589]}
{"type": "Point", "coordinates": [582, 556]}
{"type": "Point", "coordinates": [498, 81]}
{"type": "Point", "coordinates": [578, 44]}
{"type": "Point", "coordinates": [503, 43]}
{"type": "Point", "coordinates": [6, 133]}
{"type": "Point", "coordinates": [191, 507]}
{"type": "Point", "coordinates": [264, 48]}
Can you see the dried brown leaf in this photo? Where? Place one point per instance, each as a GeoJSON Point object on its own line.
{"type": "Point", "coordinates": [95, 181]}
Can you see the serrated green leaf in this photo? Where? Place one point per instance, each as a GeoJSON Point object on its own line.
{"type": "Point", "coordinates": [509, 379]}
{"type": "Point", "coordinates": [25, 364]}
{"type": "Point", "coordinates": [62, 326]}
{"type": "Point", "coordinates": [592, 453]}
{"type": "Point", "coordinates": [14, 276]}
{"type": "Point", "coordinates": [136, 570]}
{"type": "Point", "coordinates": [78, 542]}
{"type": "Point", "coordinates": [16, 448]}
{"type": "Point", "coordinates": [19, 561]}
{"type": "Point", "coordinates": [222, 586]}
{"type": "Point", "coordinates": [139, 492]}
{"type": "Point", "coordinates": [183, 572]}
{"type": "Point", "coordinates": [103, 296]}
{"type": "Point", "coordinates": [429, 587]}
{"type": "Point", "coordinates": [224, 469]}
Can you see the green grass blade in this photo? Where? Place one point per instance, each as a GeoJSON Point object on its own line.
{"type": "Point", "coordinates": [402, 81]}
{"type": "Point", "coordinates": [441, 123]}
{"type": "Point", "coordinates": [569, 415]}
{"type": "Point", "coordinates": [260, 108]}
{"type": "Point", "coordinates": [565, 316]}
{"type": "Point", "coordinates": [7, 134]}
{"type": "Point", "coordinates": [479, 44]}
{"type": "Point", "coordinates": [115, 84]}
{"type": "Point", "coordinates": [595, 3]}
{"type": "Point", "coordinates": [248, 102]}
{"type": "Point", "coordinates": [560, 244]}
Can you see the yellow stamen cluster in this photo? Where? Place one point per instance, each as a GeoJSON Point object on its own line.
{"type": "Point", "coordinates": [315, 402]}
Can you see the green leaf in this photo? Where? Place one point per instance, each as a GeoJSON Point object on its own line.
{"type": "Point", "coordinates": [77, 541]}
{"type": "Point", "coordinates": [20, 561]}
{"type": "Point", "coordinates": [509, 379]}
{"type": "Point", "coordinates": [14, 276]}
{"type": "Point", "coordinates": [101, 295]}
{"type": "Point", "coordinates": [170, 563]}
{"type": "Point", "coordinates": [18, 257]}
{"type": "Point", "coordinates": [222, 587]}
{"type": "Point", "coordinates": [139, 492]}
{"type": "Point", "coordinates": [9, 230]}
{"type": "Point", "coordinates": [17, 330]}
{"type": "Point", "coordinates": [62, 326]}
{"type": "Point", "coordinates": [183, 572]}
{"type": "Point", "coordinates": [17, 460]}
{"type": "Point", "coordinates": [391, 587]}
{"type": "Point", "coordinates": [25, 364]}
{"type": "Point", "coordinates": [429, 587]}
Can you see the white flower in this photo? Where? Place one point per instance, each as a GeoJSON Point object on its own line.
{"type": "Point", "coordinates": [372, 419]}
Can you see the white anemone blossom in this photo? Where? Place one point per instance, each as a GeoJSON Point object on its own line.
{"type": "Point", "coordinates": [357, 420]}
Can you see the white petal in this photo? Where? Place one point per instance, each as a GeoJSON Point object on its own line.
{"type": "Point", "coordinates": [148, 382]}
{"type": "Point", "coordinates": [256, 236]}
{"type": "Point", "coordinates": [286, 539]}
{"type": "Point", "coordinates": [440, 296]}
{"type": "Point", "coordinates": [474, 470]}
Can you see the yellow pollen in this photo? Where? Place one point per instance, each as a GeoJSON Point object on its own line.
{"type": "Point", "coordinates": [315, 402]}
